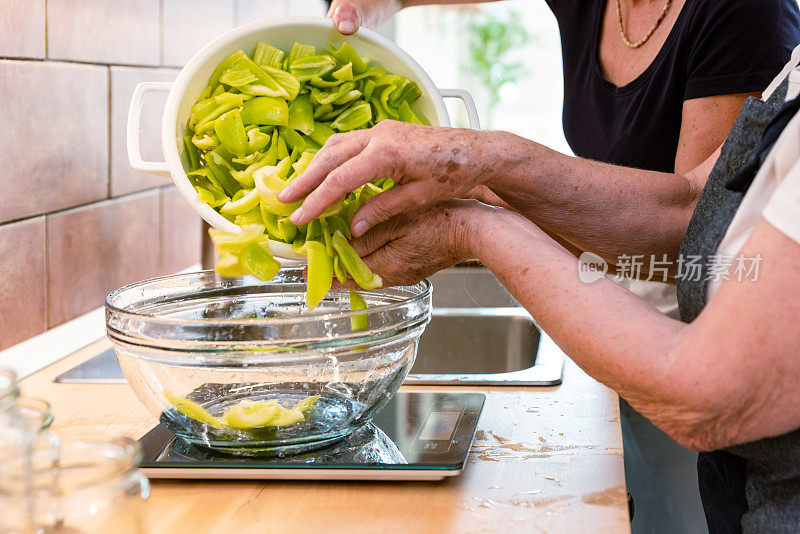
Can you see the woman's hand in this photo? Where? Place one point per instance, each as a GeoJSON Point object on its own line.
{"type": "Point", "coordinates": [429, 164]}
{"type": "Point", "coordinates": [411, 246]}
{"type": "Point", "coordinates": [348, 15]}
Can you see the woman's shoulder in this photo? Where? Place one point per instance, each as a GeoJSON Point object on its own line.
{"type": "Point", "coordinates": [745, 18]}
{"type": "Point", "coordinates": [752, 39]}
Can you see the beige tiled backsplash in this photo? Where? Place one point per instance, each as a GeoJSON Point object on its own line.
{"type": "Point", "coordinates": [22, 280]}
{"type": "Point", "coordinates": [53, 136]}
{"type": "Point", "coordinates": [75, 220]}
{"type": "Point", "coordinates": [124, 80]}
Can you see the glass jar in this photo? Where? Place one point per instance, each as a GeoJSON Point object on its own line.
{"type": "Point", "coordinates": [36, 412]}
{"type": "Point", "coordinates": [16, 441]}
{"type": "Point", "coordinates": [87, 482]}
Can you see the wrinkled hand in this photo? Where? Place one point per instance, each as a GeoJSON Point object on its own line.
{"type": "Point", "coordinates": [411, 246]}
{"type": "Point", "coordinates": [429, 164]}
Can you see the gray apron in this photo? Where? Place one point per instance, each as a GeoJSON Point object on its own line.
{"type": "Point", "coordinates": [753, 487]}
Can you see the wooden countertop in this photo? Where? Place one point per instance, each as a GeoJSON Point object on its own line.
{"type": "Point", "coordinates": [544, 460]}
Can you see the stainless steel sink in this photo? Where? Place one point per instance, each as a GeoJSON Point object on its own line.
{"type": "Point", "coordinates": [486, 346]}
{"type": "Point", "coordinates": [459, 341]}
{"type": "Point", "coordinates": [480, 335]}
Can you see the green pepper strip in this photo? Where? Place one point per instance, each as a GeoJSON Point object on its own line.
{"type": "Point", "coordinates": [257, 260]}
{"type": "Point", "coordinates": [321, 133]}
{"type": "Point", "coordinates": [320, 273]}
{"type": "Point", "coordinates": [213, 81]}
{"type": "Point", "coordinates": [406, 115]}
{"type": "Point", "coordinates": [326, 235]}
{"type": "Point", "coordinates": [301, 115]}
{"type": "Point", "coordinates": [257, 141]}
{"type": "Point", "coordinates": [251, 217]}
{"type": "Point", "coordinates": [289, 83]}
{"type": "Point", "coordinates": [344, 74]}
{"type": "Point", "coordinates": [306, 68]}
{"type": "Point", "coordinates": [238, 77]}
{"type": "Point", "coordinates": [292, 138]}
{"type": "Point", "coordinates": [359, 321]}
{"type": "Point", "coordinates": [353, 118]}
{"type": "Point", "coordinates": [354, 265]}
{"type": "Point", "coordinates": [230, 130]}
{"type": "Point", "coordinates": [267, 55]}
{"type": "Point", "coordinates": [267, 86]}
{"type": "Point", "coordinates": [316, 81]}
{"type": "Point", "coordinates": [299, 51]}
{"type": "Point", "coordinates": [225, 102]}
{"type": "Point", "coordinates": [338, 270]}
{"type": "Point", "coordinates": [271, 222]}
{"type": "Point", "coordinates": [192, 155]}
{"type": "Point", "coordinates": [287, 229]}
{"type": "Point", "coordinates": [221, 173]}
{"type": "Point", "coordinates": [266, 110]}
{"type": "Point", "coordinates": [346, 54]}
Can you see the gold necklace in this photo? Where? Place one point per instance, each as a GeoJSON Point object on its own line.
{"type": "Point", "coordinates": [649, 34]}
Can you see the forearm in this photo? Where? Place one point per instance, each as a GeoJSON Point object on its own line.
{"type": "Point", "coordinates": [606, 209]}
{"type": "Point", "coordinates": [612, 334]}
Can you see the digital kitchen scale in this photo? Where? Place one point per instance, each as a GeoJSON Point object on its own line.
{"type": "Point", "coordinates": [416, 436]}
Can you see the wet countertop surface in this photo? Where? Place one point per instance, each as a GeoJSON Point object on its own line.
{"type": "Point", "coordinates": [543, 460]}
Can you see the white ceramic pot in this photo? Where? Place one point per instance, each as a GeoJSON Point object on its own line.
{"type": "Point", "coordinates": [282, 33]}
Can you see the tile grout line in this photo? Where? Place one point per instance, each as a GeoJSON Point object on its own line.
{"type": "Point", "coordinates": [46, 39]}
{"type": "Point", "coordinates": [84, 205]}
{"type": "Point", "coordinates": [161, 34]}
{"type": "Point", "coordinates": [46, 272]}
{"type": "Point", "coordinates": [108, 144]}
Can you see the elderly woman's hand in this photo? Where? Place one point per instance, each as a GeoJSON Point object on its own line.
{"type": "Point", "coordinates": [429, 164]}
{"type": "Point", "coordinates": [417, 243]}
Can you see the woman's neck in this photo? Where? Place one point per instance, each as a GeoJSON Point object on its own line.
{"type": "Point", "coordinates": [620, 63]}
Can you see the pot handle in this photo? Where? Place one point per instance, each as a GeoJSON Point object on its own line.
{"type": "Point", "coordinates": [469, 103]}
{"type": "Point", "coordinates": [134, 118]}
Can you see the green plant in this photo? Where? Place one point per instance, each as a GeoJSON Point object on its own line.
{"type": "Point", "coordinates": [492, 37]}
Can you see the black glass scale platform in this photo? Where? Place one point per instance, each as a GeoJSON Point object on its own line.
{"type": "Point", "coordinates": [416, 436]}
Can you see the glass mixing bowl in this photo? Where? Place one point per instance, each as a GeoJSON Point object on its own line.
{"type": "Point", "coordinates": [218, 341]}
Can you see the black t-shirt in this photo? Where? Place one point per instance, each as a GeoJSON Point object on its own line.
{"type": "Point", "coordinates": [716, 47]}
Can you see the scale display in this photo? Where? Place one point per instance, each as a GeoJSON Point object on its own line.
{"type": "Point", "coordinates": [416, 436]}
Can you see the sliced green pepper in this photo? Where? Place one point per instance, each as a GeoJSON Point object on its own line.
{"type": "Point", "coordinates": [242, 205]}
{"type": "Point", "coordinates": [268, 186]}
{"type": "Point", "coordinates": [353, 118]}
{"type": "Point", "coordinates": [299, 51]}
{"type": "Point", "coordinates": [266, 110]}
{"type": "Point", "coordinates": [321, 133]}
{"type": "Point", "coordinates": [344, 74]}
{"type": "Point", "coordinates": [354, 265]}
{"type": "Point", "coordinates": [307, 67]}
{"type": "Point", "coordinates": [359, 321]}
{"type": "Point", "coordinates": [338, 270]}
{"type": "Point", "coordinates": [267, 55]}
{"type": "Point", "coordinates": [301, 115]}
{"type": "Point", "coordinates": [192, 156]}
{"type": "Point", "coordinates": [230, 131]}
{"type": "Point", "coordinates": [216, 164]}
{"type": "Point", "coordinates": [320, 273]}
{"type": "Point", "coordinates": [346, 54]}
{"type": "Point", "coordinates": [289, 83]}
{"type": "Point", "coordinates": [257, 260]}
